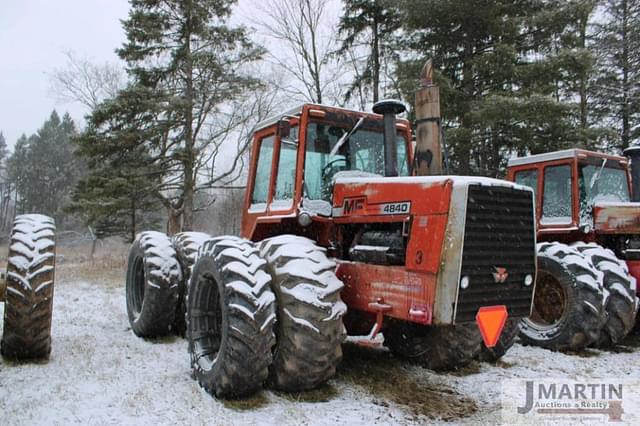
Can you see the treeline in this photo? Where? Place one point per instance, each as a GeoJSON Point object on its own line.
{"type": "Point", "coordinates": [169, 126]}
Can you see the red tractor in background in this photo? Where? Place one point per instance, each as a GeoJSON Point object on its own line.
{"type": "Point", "coordinates": [342, 232]}
{"type": "Point", "coordinates": [588, 248]}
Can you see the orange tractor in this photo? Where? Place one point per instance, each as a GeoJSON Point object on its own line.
{"type": "Point", "coordinates": [588, 248]}
{"type": "Point", "coordinates": [343, 234]}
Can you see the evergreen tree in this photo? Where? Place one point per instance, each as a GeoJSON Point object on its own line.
{"type": "Point", "coordinates": [370, 24]}
{"type": "Point", "coordinates": [617, 86]}
{"type": "Point", "coordinates": [3, 148]}
{"type": "Point", "coordinates": [498, 75]}
{"type": "Point", "coordinates": [185, 64]}
{"type": "Point", "coordinates": [43, 168]}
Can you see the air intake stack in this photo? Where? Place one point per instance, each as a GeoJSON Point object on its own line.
{"type": "Point", "coordinates": [633, 152]}
{"type": "Point", "coordinates": [389, 109]}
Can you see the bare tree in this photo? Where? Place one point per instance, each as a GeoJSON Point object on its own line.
{"type": "Point", "coordinates": [86, 82]}
{"type": "Point", "coordinates": [303, 43]}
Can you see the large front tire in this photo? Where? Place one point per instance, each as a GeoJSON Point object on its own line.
{"type": "Point", "coordinates": [622, 304]}
{"type": "Point", "coordinates": [29, 293]}
{"type": "Point", "coordinates": [230, 318]}
{"type": "Point", "coordinates": [153, 277]}
{"type": "Point", "coordinates": [310, 331]}
{"type": "Point", "coordinates": [434, 347]}
{"type": "Point", "coordinates": [568, 306]}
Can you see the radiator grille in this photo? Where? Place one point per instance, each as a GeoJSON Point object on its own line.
{"type": "Point", "coordinates": [499, 233]}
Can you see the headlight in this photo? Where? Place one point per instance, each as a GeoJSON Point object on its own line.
{"type": "Point", "coordinates": [464, 282]}
{"type": "Point", "coordinates": [528, 280]}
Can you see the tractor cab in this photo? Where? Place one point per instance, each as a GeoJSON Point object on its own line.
{"type": "Point", "coordinates": [578, 191]}
{"type": "Point", "coordinates": [298, 155]}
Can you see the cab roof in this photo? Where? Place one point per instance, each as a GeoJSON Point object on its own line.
{"type": "Point", "coordinates": [561, 155]}
{"type": "Point", "coordinates": [297, 111]}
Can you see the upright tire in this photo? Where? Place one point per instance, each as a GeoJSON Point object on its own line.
{"type": "Point", "coordinates": [506, 340]}
{"type": "Point", "coordinates": [309, 331]}
{"type": "Point", "coordinates": [434, 347]}
{"type": "Point", "coordinates": [186, 245]}
{"type": "Point", "coordinates": [153, 278]}
{"type": "Point", "coordinates": [230, 318]}
{"type": "Point", "coordinates": [568, 306]}
{"type": "Point", "coordinates": [29, 293]}
{"type": "Point", "coordinates": [622, 304]}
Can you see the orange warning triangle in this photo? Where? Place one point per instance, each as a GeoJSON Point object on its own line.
{"type": "Point", "coordinates": [491, 320]}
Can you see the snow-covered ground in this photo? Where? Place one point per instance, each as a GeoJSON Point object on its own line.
{"type": "Point", "coordinates": [100, 373]}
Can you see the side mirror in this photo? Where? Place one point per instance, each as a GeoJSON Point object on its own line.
{"type": "Point", "coordinates": [284, 129]}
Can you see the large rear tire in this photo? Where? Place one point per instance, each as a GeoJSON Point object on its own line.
{"type": "Point", "coordinates": [230, 318]}
{"type": "Point", "coordinates": [153, 277]}
{"type": "Point", "coordinates": [622, 304]}
{"type": "Point", "coordinates": [309, 331]}
{"type": "Point", "coordinates": [434, 347]}
{"type": "Point", "coordinates": [29, 293]}
{"type": "Point", "coordinates": [568, 306]}
{"type": "Point", "coordinates": [186, 245]}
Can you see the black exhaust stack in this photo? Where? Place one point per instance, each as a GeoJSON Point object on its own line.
{"type": "Point", "coordinates": [389, 108]}
{"type": "Point", "coordinates": [633, 152]}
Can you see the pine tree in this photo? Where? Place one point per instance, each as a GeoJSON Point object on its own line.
{"type": "Point", "coordinates": [617, 85]}
{"type": "Point", "coordinates": [498, 75]}
{"type": "Point", "coordinates": [43, 168]}
{"type": "Point", "coordinates": [185, 64]}
{"type": "Point", "coordinates": [370, 24]}
{"type": "Point", "coordinates": [3, 148]}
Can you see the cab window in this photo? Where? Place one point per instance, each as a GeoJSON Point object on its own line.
{"type": "Point", "coordinates": [263, 173]}
{"type": "Point", "coordinates": [528, 178]}
{"type": "Point", "coordinates": [286, 177]}
{"type": "Point", "coordinates": [363, 152]}
{"type": "Point", "coordinates": [557, 196]}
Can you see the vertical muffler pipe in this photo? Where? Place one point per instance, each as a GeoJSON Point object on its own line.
{"type": "Point", "coordinates": [389, 109]}
{"type": "Point", "coordinates": [633, 152]}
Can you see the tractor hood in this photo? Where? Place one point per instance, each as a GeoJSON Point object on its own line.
{"type": "Point", "coordinates": [617, 217]}
{"type": "Point", "coordinates": [421, 195]}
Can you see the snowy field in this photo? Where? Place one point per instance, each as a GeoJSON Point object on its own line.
{"type": "Point", "coordinates": [100, 373]}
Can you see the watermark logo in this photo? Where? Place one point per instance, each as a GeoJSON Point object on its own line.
{"type": "Point", "coordinates": [595, 400]}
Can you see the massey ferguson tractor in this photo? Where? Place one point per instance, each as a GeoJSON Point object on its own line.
{"type": "Point", "coordinates": [588, 248]}
{"type": "Point", "coordinates": [27, 288]}
{"type": "Point", "coordinates": [347, 228]}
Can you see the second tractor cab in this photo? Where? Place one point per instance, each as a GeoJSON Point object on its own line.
{"type": "Point", "coordinates": [588, 248]}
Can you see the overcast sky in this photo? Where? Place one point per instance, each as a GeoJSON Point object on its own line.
{"type": "Point", "coordinates": [34, 34]}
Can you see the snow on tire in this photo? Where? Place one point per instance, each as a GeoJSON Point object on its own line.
{"type": "Point", "coordinates": [186, 245]}
{"type": "Point", "coordinates": [622, 303]}
{"type": "Point", "coordinates": [230, 318]}
{"type": "Point", "coordinates": [434, 347]}
{"type": "Point", "coordinates": [153, 277]}
{"type": "Point", "coordinates": [568, 311]}
{"type": "Point", "coordinates": [310, 331]}
{"type": "Point", "coordinates": [29, 292]}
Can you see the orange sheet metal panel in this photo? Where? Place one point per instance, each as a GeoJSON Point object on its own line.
{"type": "Point", "coordinates": [617, 218]}
{"type": "Point", "coordinates": [409, 294]}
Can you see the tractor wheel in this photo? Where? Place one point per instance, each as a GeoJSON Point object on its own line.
{"type": "Point", "coordinates": [309, 331]}
{"type": "Point", "coordinates": [434, 347]}
{"type": "Point", "coordinates": [506, 340]}
{"type": "Point", "coordinates": [153, 277]}
{"type": "Point", "coordinates": [622, 304]}
{"type": "Point", "coordinates": [29, 292]}
{"type": "Point", "coordinates": [568, 305]}
{"type": "Point", "coordinates": [230, 318]}
{"type": "Point", "coordinates": [186, 245]}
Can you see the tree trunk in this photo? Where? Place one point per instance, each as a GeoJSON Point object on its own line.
{"type": "Point", "coordinates": [174, 224]}
{"type": "Point", "coordinates": [189, 181]}
{"type": "Point", "coordinates": [626, 128]}
{"type": "Point", "coordinates": [375, 52]}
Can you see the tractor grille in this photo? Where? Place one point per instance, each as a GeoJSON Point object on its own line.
{"type": "Point", "coordinates": [499, 233]}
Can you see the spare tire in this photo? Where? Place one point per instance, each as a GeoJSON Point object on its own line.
{"type": "Point", "coordinates": [309, 331]}
{"type": "Point", "coordinates": [568, 305]}
{"type": "Point", "coordinates": [29, 293]}
{"type": "Point", "coordinates": [230, 318]}
{"type": "Point", "coordinates": [186, 245]}
{"type": "Point", "coordinates": [153, 277]}
{"type": "Point", "coordinates": [622, 304]}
